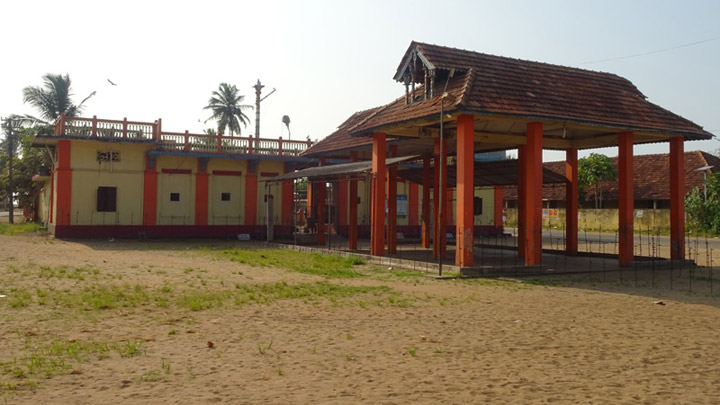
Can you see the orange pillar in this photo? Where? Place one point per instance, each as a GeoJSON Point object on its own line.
{"type": "Point", "coordinates": [353, 217]}
{"type": "Point", "coordinates": [377, 220]}
{"type": "Point", "coordinates": [677, 198]}
{"type": "Point", "coordinates": [342, 202]}
{"type": "Point", "coordinates": [321, 190]}
{"type": "Point", "coordinates": [426, 204]}
{"type": "Point", "coordinates": [498, 207]}
{"type": "Point", "coordinates": [288, 199]}
{"type": "Point", "coordinates": [251, 196]}
{"type": "Point", "coordinates": [64, 184]}
{"type": "Point", "coordinates": [464, 242]}
{"type": "Point", "coordinates": [392, 204]}
{"type": "Point", "coordinates": [521, 201]}
{"type": "Point", "coordinates": [413, 203]}
{"type": "Point", "coordinates": [625, 196]}
{"type": "Point", "coordinates": [571, 202]}
{"type": "Point", "coordinates": [440, 229]}
{"type": "Point", "coordinates": [532, 180]}
{"type": "Point", "coordinates": [201, 195]}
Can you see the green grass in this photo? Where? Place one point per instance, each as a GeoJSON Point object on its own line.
{"type": "Point", "coordinates": [329, 266]}
{"type": "Point", "coordinates": [17, 229]}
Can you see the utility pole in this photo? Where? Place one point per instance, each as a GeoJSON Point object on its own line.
{"type": "Point", "coordinates": [11, 152]}
{"type": "Point", "coordinates": [258, 89]}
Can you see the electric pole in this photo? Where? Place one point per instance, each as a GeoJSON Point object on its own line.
{"type": "Point", "coordinates": [11, 152]}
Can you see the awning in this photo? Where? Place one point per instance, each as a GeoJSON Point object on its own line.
{"type": "Point", "coordinates": [340, 171]}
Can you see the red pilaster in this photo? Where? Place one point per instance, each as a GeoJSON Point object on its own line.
{"type": "Point", "coordinates": [201, 195]}
{"type": "Point", "coordinates": [625, 197]}
{"type": "Point", "coordinates": [342, 202]}
{"type": "Point", "coordinates": [52, 194]}
{"type": "Point", "coordinates": [440, 228]}
{"type": "Point", "coordinates": [521, 201]}
{"type": "Point", "coordinates": [465, 191]}
{"type": "Point", "coordinates": [251, 195]}
{"type": "Point", "coordinates": [377, 243]}
{"type": "Point", "coordinates": [571, 202]}
{"type": "Point", "coordinates": [498, 207]}
{"type": "Point", "coordinates": [392, 204]}
{"type": "Point", "coordinates": [677, 198]}
{"type": "Point", "coordinates": [533, 194]}
{"type": "Point", "coordinates": [321, 189]}
{"type": "Point", "coordinates": [288, 199]}
{"type": "Point", "coordinates": [426, 204]}
{"type": "Point", "coordinates": [150, 194]}
{"type": "Point", "coordinates": [413, 203]}
{"type": "Point", "coordinates": [64, 184]}
{"type": "Point", "coordinates": [353, 231]}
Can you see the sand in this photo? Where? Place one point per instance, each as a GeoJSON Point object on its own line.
{"type": "Point", "coordinates": [441, 341]}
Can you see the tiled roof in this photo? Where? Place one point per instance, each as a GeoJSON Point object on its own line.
{"type": "Point", "coordinates": [651, 176]}
{"type": "Point", "coordinates": [340, 140]}
{"type": "Point", "coordinates": [494, 85]}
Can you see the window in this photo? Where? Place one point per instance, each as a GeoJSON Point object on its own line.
{"type": "Point", "coordinates": [174, 196]}
{"type": "Point", "coordinates": [477, 206]}
{"type": "Point", "coordinates": [225, 196]}
{"type": "Point", "coordinates": [106, 199]}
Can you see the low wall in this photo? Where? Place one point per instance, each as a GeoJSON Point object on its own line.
{"type": "Point", "coordinates": [602, 219]}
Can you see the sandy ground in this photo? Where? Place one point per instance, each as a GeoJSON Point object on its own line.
{"type": "Point", "coordinates": [428, 341]}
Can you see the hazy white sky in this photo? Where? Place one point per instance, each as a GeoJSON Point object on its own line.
{"type": "Point", "coordinates": [328, 59]}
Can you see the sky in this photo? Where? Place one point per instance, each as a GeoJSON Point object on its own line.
{"type": "Point", "coordinates": [328, 59]}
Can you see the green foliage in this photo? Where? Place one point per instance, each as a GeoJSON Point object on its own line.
{"type": "Point", "coordinates": [227, 110]}
{"type": "Point", "coordinates": [27, 162]}
{"type": "Point", "coordinates": [17, 229]}
{"type": "Point", "coordinates": [592, 171]}
{"type": "Point", "coordinates": [54, 98]}
{"type": "Point", "coordinates": [704, 215]}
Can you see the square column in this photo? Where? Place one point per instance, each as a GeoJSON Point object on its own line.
{"type": "Point", "coordinates": [321, 191]}
{"type": "Point", "coordinates": [677, 198]}
{"type": "Point", "coordinates": [626, 196]}
{"type": "Point", "coordinates": [377, 217]}
{"type": "Point", "coordinates": [521, 202]}
{"type": "Point", "coordinates": [352, 220]}
{"type": "Point", "coordinates": [426, 203]}
{"type": "Point", "coordinates": [288, 199]}
{"type": "Point", "coordinates": [498, 208]}
{"type": "Point", "coordinates": [251, 190]}
{"type": "Point", "coordinates": [464, 242]}
{"type": "Point", "coordinates": [571, 202]}
{"type": "Point", "coordinates": [392, 204]}
{"type": "Point", "coordinates": [532, 194]}
{"type": "Point", "coordinates": [64, 184]}
{"type": "Point", "coordinates": [440, 228]}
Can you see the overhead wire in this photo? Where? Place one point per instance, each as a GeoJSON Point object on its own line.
{"type": "Point", "coordinates": [651, 52]}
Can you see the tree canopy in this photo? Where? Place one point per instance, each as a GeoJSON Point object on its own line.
{"type": "Point", "coordinates": [592, 171]}
{"type": "Point", "coordinates": [53, 98]}
{"type": "Point", "coordinates": [227, 109]}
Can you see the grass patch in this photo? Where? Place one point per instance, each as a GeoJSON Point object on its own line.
{"type": "Point", "coordinates": [18, 229]}
{"type": "Point", "coordinates": [329, 266]}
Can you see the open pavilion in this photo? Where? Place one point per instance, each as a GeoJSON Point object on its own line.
{"type": "Point", "coordinates": [458, 103]}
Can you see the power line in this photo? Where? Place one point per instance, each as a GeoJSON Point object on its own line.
{"type": "Point", "coordinates": [651, 52]}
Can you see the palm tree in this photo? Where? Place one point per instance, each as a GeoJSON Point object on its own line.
{"type": "Point", "coordinates": [53, 99]}
{"type": "Point", "coordinates": [226, 107]}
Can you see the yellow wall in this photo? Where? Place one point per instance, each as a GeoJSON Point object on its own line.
{"type": "Point", "coordinates": [176, 212]}
{"type": "Point", "coordinates": [267, 167]}
{"type": "Point", "coordinates": [226, 212]}
{"type": "Point", "coordinates": [88, 174]}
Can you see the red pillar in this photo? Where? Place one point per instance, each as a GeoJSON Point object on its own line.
{"type": "Point", "coordinates": [464, 242]}
{"type": "Point", "coordinates": [392, 204]}
{"type": "Point", "coordinates": [201, 195]}
{"type": "Point", "coordinates": [377, 220]}
{"type": "Point", "coordinates": [321, 190]}
{"type": "Point", "coordinates": [426, 204]}
{"type": "Point", "coordinates": [413, 203]}
{"type": "Point", "coordinates": [532, 181]}
{"type": "Point", "coordinates": [342, 202]}
{"type": "Point", "coordinates": [288, 199]}
{"type": "Point", "coordinates": [521, 201]}
{"type": "Point", "coordinates": [440, 229]}
{"type": "Point", "coordinates": [353, 217]}
{"type": "Point", "coordinates": [251, 197]}
{"type": "Point", "coordinates": [64, 184]}
{"type": "Point", "coordinates": [150, 195]}
{"type": "Point", "coordinates": [677, 198]}
{"type": "Point", "coordinates": [498, 207]}
{"type": "Point", "coordinates": [626, 197]}
{"type": "Point", "coordinates": [571, 202]}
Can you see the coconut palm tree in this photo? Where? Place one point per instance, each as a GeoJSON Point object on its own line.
{"type": "Point", "coordinates": [53, 98]}
{"type": "Point", "coordinates": [227, 110]}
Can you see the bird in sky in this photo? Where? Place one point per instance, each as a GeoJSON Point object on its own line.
{"type": "Point", "coordinates": [110, 81]}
